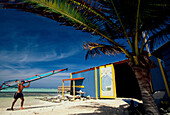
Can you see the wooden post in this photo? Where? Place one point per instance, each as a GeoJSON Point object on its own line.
{"type": "Point", "coordinates": [74, 89]}
{"type": "Point", "coordinates": [71, 76]}
{"type": "Point", "coordinates": [63, 90]}
{"type": "Point", "coordinates": [96, 83]}
{"type": "Point", "coordinates": [163, 75]}
{"type": "Point", "coordinates": [70, 83]}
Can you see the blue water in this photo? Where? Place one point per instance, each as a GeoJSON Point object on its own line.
{"type": "Point", "coordinates": [30, 90]}
{"type": "Point", "coordinates": [39, 92]}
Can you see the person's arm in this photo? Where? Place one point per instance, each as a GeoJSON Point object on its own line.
{"type": "Point", "coordinates": [18, 82]}
{"type": "Point", "coordinates": [27, 85]}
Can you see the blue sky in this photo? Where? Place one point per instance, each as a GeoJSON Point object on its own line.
{"type": "Point", "coordinates": [31, 44]}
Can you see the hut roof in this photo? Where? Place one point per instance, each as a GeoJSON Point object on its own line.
{"type": "Point", "coordinates": [114, 63]}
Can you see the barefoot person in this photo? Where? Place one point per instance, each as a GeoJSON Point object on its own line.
{"type": "Point", "coordinates": [19, 94]}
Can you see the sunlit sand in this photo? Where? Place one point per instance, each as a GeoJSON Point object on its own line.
{"type": "Point", "coordinates": [34, 105]}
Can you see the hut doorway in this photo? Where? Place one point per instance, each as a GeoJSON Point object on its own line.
{"type": "Point", "coordinates": [126, 83]}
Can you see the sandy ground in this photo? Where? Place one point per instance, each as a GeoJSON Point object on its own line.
{"type": "Point", "coordinates": [34, 106]}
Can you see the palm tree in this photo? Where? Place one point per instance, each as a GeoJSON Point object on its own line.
{"type": "Point", "coordinates": [124, 27]}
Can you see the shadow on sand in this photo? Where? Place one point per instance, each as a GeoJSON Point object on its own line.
{"type": "Point", "coordinates": [104, 110]}
{"type": "Point", "coordinates": [25, 108]}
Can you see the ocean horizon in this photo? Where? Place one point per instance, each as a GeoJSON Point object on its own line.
{"type": "Point", "coordinates": [30, 90]}
{"type": "Point", "coordinates": [37, 92]}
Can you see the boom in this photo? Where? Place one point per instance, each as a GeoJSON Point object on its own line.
{"type": "Point", "coordinates": [13, 83]}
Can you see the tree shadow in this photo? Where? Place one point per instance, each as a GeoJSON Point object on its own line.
{"type": "Point", "coordinates": [104, 110]}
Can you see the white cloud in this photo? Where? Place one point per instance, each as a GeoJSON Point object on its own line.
{"type": "Point", "coordinates": [11, 73]}
{"type": "Point", "coordinates": [48, 56]}
{"type": "Point", "coordinates": [27, 56]}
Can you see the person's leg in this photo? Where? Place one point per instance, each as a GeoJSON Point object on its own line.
{"type": "Point", "coordinates": [13, 104]}
{"type": "Point", "coordinates": [22, 102]}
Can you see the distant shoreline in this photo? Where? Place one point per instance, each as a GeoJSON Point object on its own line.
{"type": "Point", "coordinates": [37, 92]}
{"type": "Point", "coordinates": [31, 90]}
{"type": "Point", "coordinates": [29, 94]}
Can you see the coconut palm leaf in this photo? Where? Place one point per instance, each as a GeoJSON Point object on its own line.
{"type": "Point", "coordinates": [110, 19]}
{"type": "Point", "coordinates": [96, 49]}
{"type": "Point", "coordinates": [68, 13]}
{"type": "Point", "coordinates": [152, 15]}
{"type": "Point", "coordinates": [61, 10]}
{"type": "Point", "coordinates": [99, 12]}
{"type": "Point", "coordinates": [159, 37]}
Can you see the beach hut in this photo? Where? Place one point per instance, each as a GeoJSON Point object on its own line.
{"type": "Point", "coordinates": [105, 81]}
{"type": "Point", "coordinates": [118, 80]}
{"type": "Point", "coordinates": [162, 81]}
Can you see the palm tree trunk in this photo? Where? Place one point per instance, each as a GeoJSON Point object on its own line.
{"type": "Point", "coordinates": [149, 105]}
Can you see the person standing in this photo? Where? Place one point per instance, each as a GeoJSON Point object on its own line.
{"type": "Point", "coordinates": [19, 94]}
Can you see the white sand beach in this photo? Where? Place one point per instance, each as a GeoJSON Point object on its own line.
{"type": "Point", "coordinates": [35, 106]}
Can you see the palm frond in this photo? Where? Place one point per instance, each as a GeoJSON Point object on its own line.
{"type": "Point", "coordinates": [159, 37]}
{"type": "Point", "coordinates": [65, 12]}
{"type": "Point", "coordinates": [98, 12]}
{"type": "Point", "coordinates": [136, 33]}
{"type": "Point", "coordinates": [111, 19]}
{"type": "Point", "coordinates": [96, 49]}
{"type": "Point", "coordinates": [59, 10]}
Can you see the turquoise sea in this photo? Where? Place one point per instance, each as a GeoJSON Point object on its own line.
{"type": "Point", "coordinates": [39, 92]}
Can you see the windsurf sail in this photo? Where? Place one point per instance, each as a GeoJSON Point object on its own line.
{"type": "Point", "coordinates": [13, 83]}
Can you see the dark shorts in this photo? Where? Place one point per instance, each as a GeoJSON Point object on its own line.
{"type": "Point", "coordinates": [18, 95]}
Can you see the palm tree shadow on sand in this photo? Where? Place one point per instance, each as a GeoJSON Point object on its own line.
{"type": "Point", "coordinates": [104, 110]}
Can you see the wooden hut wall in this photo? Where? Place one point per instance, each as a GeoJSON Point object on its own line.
{"type": "Point", "coordinates": [156, 75]}
{"type": "Point", "coordinates": [88, 82]}
{"type": "Point", "coordinates": [166, 59]}
{"type": "Point", "coordinates": [163, 53]}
